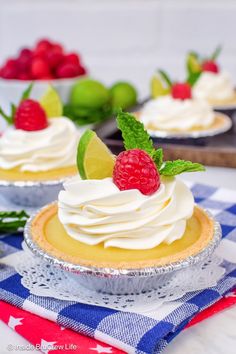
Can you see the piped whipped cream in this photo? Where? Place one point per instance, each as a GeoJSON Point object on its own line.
{"type": "Point", "coordinates": [96, 211]}
{"type": "Point", "coordinates": [167, 113]}
{"type": "Point", "coordinates": [214, 86]}
{"type": "Point", "coordinates": [43, 150]}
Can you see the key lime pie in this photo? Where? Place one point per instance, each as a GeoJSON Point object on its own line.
{"type": "Point", "coordinates": [40, 146]}
{"type": "Point", "coordinates": [209, 82]}
{"type": "Point", "coordinates": [123, 216]}
{"type": "Point", "coordinates": [174, 111]}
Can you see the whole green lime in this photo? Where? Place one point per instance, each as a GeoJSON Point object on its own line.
{"type": "Point", "coordinates": [89, 93]}
{"type": "Point", "coordinates": [123, 95]}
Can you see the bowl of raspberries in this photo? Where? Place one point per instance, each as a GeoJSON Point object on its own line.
{"type": "Point", "coordinates": [45, 62]}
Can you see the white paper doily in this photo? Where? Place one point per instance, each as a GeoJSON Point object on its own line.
{"type": "Point", "coordinates": [43, 279]}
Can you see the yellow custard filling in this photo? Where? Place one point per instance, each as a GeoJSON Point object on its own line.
{"type": "Point", "coordinates": [15, 174]}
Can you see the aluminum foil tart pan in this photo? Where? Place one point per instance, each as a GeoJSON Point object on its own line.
{"type": "Point", "coordinates": [31, 193]}
{"type": "Point", "coordinates": [122, 281]}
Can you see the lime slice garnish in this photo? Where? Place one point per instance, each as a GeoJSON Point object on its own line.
{"type": "Point", "coordinates": [94, 159]}
{"type": "Point", "coordinates": [157, 87]}
{"type": "Point", "coordinates": [51, 103]}
{"type": "Point", "coordinates": [193, 64]}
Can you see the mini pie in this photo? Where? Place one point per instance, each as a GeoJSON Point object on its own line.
{"type": "Point", "coordinates": [49, 235]}
{"type": "Point", "coordinates": [219, 122]}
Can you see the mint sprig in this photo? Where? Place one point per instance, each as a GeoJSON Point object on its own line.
{"type": "Point", "coordinates": [216, 53]}
{"type": "Point", "coordinates": [158, 158]}
{"type": "Point", "coordinates": [165, 77]}
{"type": "Point", "coordinates": [133, 133]}
{"type": "Point", "coordinates": [136, 137]}
{"type": "Point", "coordinates": [12, 221]}
{"type": "Point", "coordinates": [173, 168]}
{"type": "Point", "coordinates": [26, 94]}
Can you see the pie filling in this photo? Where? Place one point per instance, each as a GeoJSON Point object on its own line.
{"type": "Point", "coordinates": [15, 174]}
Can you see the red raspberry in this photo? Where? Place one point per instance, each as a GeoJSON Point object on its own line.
{"type": "Point", "coordinates": [47, 77]}
{"type": "Point", "coordinates": [181, 91]}
{"type": "Point", "coordinates": [134, 169]}
{"type": "Point", "coordinates": [11, 63]}
{"type": "Point", "coordinates": [8, 72]}
{"type": "Point", "coordinates": [26, 52]}
{"type": "Point", "coordinates": [67, 70]}
{"type": "Point", "coordinates": [24, 60]}
{"type": "Point", "coordinates": [54, 58]}
{"type": "Point", "coordinates": [43, 45]}
{"type": "Point", "coordinates": [72, 58]}
{"type": "Point", "coordinates": [81, 70]}
{"type": "Point", "coordinates": [210, 65]}
{"type": "Point", "coordinates": [30, 116]}
{"type": "Point", "coordinates": [56, 47]}
{"type": "Point", "coordinates": [10, 69]}
{"type": "Point", "coordinates": [39, 68]}
{"type": "Point", "coordinates": [23, 76]}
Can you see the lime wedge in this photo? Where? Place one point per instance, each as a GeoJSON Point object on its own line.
{"type": "Point", "coordinates": [51, 103]}
{"type": "Point", "coordinates": [157, 87]}
{"type": "Point", "coordinates": [94, 159]}
{"type": "Point", "coordinates": [193, 64]}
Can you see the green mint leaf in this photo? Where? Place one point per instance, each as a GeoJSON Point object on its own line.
{"type": "Point", "coordinates": [13, 110]}
{"type": "Point", "coordinates": [11, 221]}
{"type": "Point", "coordinates": [193, 77]}
{"type": "Point", "coordinates": [172, 168]}
{"type": "Point", "coordinates": [8, 119]}
{"type": "Point", "coordinates": [216, 52]}
{"type": "Point", "coordinates": [26, 93]}
{"type": "Point", "coordinates": [165, 77]}
{"type": "Point", "coordinates": [158, 158]}
{"type": "Point", "coordinates": [133, 133]}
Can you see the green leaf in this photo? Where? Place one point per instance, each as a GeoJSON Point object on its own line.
{"type": "Point", "coordinates": [158, 158]}
{"type": "Point", "coordinates": [165, 77]}
{"type": "Point", "coordinates": [83, 115]}
{"type": "Point", "coordinates": [216, 52]}
{"type": "Point", "coordinates": [26, 93]}
{"type": "Point", "coordinates": [133, 133]}
{"type": "Point", "coordinates": [193, 77]}
{"type": "Point", "coordinates": [13, 110]}
{"type": "Point", "coordinates": [8, 119]}
{"type": "Point", "coordinates": [172, 168]}
{"type": "Point", "coordinates": [11, 221]}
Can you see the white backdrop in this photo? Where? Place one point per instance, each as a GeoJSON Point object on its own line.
{"type": "Point", "coordinates": [124, 39]}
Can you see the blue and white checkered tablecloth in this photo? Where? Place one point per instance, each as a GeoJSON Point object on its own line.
{"type": "Point", "coordinates": [132, 332]}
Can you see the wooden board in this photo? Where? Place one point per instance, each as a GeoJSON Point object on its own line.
{"type": "Point", "coordinates": [213, 151]}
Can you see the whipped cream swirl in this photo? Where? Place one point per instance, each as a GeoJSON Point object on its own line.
{"type": "Point", "coordinates": [42, 150]}
{"type": "Point", "coordinates": [214, 86]}
{"type": "Point", "coordinates": [167, 113]}
{"type": "Point", "coordinates": [95, 211]}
